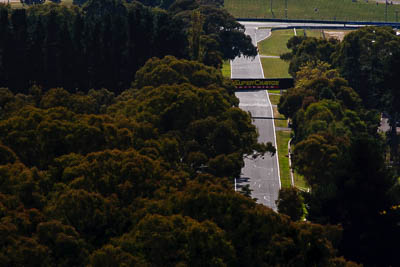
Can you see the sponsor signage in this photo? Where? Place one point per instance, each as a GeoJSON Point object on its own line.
{"type": "Point", "coordinates": [249, 84]}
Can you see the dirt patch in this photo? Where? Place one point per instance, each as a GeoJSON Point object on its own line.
{"type": "Point", "coordinates": [339, 35]}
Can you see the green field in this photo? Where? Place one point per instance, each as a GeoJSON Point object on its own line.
{"type": "Point", "coordinates": [275, 68]}
{"type": "Point", "coordinates": [347, 10]}
{"type": "Point", "coordinates": [282, 139]}
{"type": "Point", "coordinates": [276, 44]}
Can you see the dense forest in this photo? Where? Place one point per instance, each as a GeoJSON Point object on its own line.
{"type": "Point", "coordinates": [341, 90]}
{"type": "Point", "coordinates": [104, 43]}
{"type": "Point", "coordinates": [120, 140]}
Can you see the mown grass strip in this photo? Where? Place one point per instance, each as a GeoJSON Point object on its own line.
{"type": "Point", "coordinates": [274, 99]}
{"type": "Point", "coordinates": [279, 119]}
{"type": "Point", "coordinates": [282, 139]}
{"type": "Point", "coordinates": [276, 91]}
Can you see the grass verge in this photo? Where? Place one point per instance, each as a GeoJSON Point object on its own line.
{"type": "Point", "coordinates": [299, 181]}
{"type": "Point", "coordinates": [276, 91]}
{"type": "Point", "coordinates": [299, 32]}
{"type": "Point", "coordinates": [279, 119]}
{"type": "Point", "coordinates": [275, 45]}
{"type": "Point", "coordinates": [275, 68]}
{"type": "Point", "coordinates": [274, 98]}
{"type": "Point", "coordinates": [282, 139]}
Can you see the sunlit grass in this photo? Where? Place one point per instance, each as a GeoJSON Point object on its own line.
{"type": "Point", "coordinates": [275, 45]}
{"type": "Point", "coordinates": [282, 139]}
{"type": "Point", "coordinates": [279, 119]}
{"type": "Point", "coordinates": [299, 181]}
{"type": "Point", "coordinates": [274, 99]}
{"type": "Point", "coordinates": [275, 68]}
{"type": "Point", "coordinates": [276, 91]}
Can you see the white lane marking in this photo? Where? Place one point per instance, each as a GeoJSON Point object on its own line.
{"type": "Point", "coordinates": [231, 62]}
{"type": "Point", "coordinates": [268, 35]}
{"type": "Point", "coordinates": [276, 146]}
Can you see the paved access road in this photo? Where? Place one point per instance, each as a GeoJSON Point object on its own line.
{"type": "Point", "coordinates": [262, 174]}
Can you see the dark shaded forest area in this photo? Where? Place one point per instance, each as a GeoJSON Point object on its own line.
{"type": "Point", "coordinates": [139, 173]}
{"type": "Point", "coordinates": [120, 140]}
{"type": "Point", "coordinates": [104, 43]}
{"type": "Point", "coordinates": [353, 168]}
{"type": "Point", "coordinates": [142, 178]}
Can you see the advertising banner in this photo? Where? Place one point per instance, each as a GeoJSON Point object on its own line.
{"type": "Point", "coordinates": [253, 84]}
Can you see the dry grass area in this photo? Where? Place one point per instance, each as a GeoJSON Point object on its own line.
{"type": "Point", "coordinates": [335, 34]}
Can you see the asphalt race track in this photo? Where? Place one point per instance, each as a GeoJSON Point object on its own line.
{"type": "Point", "coordinates": [243, 67]}
{"type": "Point", "coordinates": [262, 173]}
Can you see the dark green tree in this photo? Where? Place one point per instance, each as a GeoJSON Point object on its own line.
{"type": "Point", "coordinates": [308, 50]}
{"type": "Point", "coordinates": [290, 202]}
